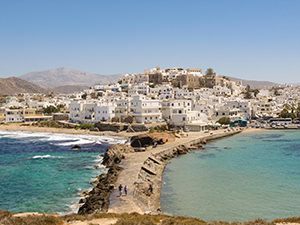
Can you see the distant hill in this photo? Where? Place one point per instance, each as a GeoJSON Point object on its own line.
{"type": "Point", "coordinates": [255, 83]}
{"type": "Point", "coordinates": [14, 85]}
{"type": "Point", "coordinates": [64, 76]}
{"type": "Point", "coordinates": [67, 89]}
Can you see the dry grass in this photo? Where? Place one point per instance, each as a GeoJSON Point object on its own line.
{"type": "Point", "coordinates": [30, 220]}
{"type": "Point", "coordinates": [7, 218]}
{"type": "Point", "coordinates": [287, 220]}
{"type": "Point", "coordinates": [252, 222]}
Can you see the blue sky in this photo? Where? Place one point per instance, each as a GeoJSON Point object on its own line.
{"type": "Point", "coordinates": [254, 39]}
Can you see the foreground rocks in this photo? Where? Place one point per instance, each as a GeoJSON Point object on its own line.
{"type": "Point", "coordinates": [97, 200]}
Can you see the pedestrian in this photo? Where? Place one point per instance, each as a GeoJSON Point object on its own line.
{"type": "Point", "coordinates": [150, 188]}
{"type": "Point", "coordinates": [120, 190]}
{"type": "Point", "coordinates": [125, 190]}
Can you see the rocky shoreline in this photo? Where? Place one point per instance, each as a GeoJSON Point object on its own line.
{"type": "Point", "coordinates": [147, 185]}
{"type": "Point", "coordinates": [97, 200]}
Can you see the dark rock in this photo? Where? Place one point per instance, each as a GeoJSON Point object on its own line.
{"type": "Point", "coordinates": [76, 147]}
{"type": "Point", "coordinates": [204, 142]}
{"type": "Point", "coordinates": [145, 140]}
{"type": "Point", "coordinates": [115, 153]}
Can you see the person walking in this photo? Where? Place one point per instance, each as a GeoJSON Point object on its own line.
{"type": "Point", "coordinates": [125, 190]}
{"type": "Point", "coordinates": [120, 190]}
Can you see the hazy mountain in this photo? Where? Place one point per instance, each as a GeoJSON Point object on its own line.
{"type": "Point", "coordinates": [64, 76]}
{"type": "Point", "coordinates": [255, 83]}
{"type": "Point", "coordinates": [14, 85]}
{"type": "Point", "coordinates": [67, 89]}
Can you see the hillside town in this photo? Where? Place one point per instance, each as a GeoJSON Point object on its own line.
{"type": "Point", "coordinates": [181, 98]}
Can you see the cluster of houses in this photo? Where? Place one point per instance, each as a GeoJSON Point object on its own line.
{"type": "Point", "coordinates": [180, 97]}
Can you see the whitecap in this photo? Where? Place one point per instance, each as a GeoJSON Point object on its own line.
{"type": "Point", "coordinates": [44, 157]}
{"type": "Point", "coordinates": [63, 139]}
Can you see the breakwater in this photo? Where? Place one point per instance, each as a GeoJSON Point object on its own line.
{"type": "Point", "coordinates": [148, 185]}
{"type": "Point", "coordinates": [142, 173]}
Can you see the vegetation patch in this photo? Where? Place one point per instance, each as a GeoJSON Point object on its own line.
{"type": "Point", "coordinates": [86, 126]}
{"type": "Point", "coordinates": [7, 218]}
{"type": "Point", "coordinates": [161, 128]}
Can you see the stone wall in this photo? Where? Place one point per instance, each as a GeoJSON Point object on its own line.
{"type": "Point", "coordinates": [148, 185]}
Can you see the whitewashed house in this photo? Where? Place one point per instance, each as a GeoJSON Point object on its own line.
{"type": "Point", "coordinates": [14, 115]}
{"type": "Point", "coordinates": [105, 112]}
{"type": "Point", "coordinates": [145, 110]}
{"type": "Point", "coordinates": [122, 108]}
{"type": "Point", "coordinates": [243, 106]}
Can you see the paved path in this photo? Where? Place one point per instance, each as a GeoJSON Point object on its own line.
{"type": "Point", "coordinates": [132, 165]}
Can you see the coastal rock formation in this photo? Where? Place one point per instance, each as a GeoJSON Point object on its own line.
{"type": "Point", "coordinates": [115, 153]}
{"type": "Point", "coordinates": [145, 140]}
{"type": "Point", "coordinates": [98, 199]}
{"type": "Point", "coordinates": [76, 147]}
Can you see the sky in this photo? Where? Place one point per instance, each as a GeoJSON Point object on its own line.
{"type": "Point", "coordinates": [249, 39]}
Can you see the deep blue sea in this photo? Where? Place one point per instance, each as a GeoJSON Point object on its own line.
{"type": "Point", "coordinates": [259, 177]}
{"type": "Point", "coordinates": [40, 173]}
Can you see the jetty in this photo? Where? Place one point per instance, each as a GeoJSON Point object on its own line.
{"type": "Point", "coordinates": [142, 172]}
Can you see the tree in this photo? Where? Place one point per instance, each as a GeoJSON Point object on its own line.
{"type": "Point", "coordinates": [50, 109]}
{"type": "Point", "coordinates": [248, 94]}
{"type": "Point", "coordinates": [209, 71]}
{"type": "Point", "coordinates": [255, 92]}
{"type": "Point", "coordinates": [224, 120]}
{"type": "Point", "coordinates": [84, 96]}
{"type": "Point", "coordinates": [289, 111]}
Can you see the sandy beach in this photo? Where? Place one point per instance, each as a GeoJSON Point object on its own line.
{"type": "Point", "coordinates": [27, 128]}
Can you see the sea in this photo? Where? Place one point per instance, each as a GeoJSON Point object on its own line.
{"type": "Point", "coordinates": [238, 178]}
{"type": "Point", "coordinates": [39, 172]}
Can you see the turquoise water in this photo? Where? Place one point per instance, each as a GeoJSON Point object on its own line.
{"type": "Point", "coordinates": [40, 173]}
{"type": "Point", "coordinates": [259, 177]}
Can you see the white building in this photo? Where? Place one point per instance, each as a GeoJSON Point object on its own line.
{"type": "Point", "coordinates": [145, 110]}
{"type": "Point", "coordinates": [14, 115]}
{"type": "Point", "coordinates": [221, 91]}
{"type": "Point", "coordinates": [243, 106]}
{"type": "Point", "coordinates": [105, 112]}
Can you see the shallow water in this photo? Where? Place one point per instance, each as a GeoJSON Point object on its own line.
{"type": "Point", "coordinates": [259, 177]}
{"type": "Point", "coordinates": [39, 172]}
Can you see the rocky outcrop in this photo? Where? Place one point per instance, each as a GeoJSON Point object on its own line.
{"type": "Point", "coordinates": [76, 147]}
{"type": "Point", "coordinates": [115, 153]}
{"type": "Point", "coordinates": [97, 200]}
{"type": "Point", "coordinates": [145, 140]}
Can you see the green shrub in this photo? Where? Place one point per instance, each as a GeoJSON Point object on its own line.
{"type": "Point", "coordinates": [85, 126]}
